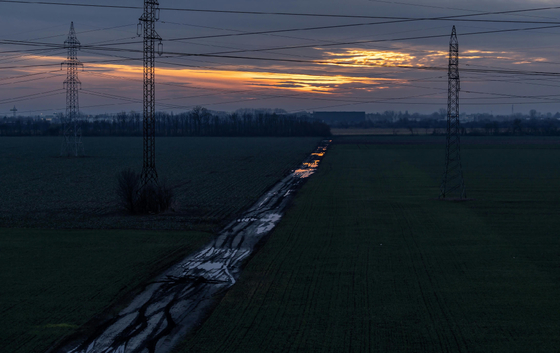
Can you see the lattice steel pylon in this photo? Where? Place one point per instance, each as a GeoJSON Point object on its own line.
{"type": "Point", "coordinates": [147, 23]}
{"type": "Point", "coordinates": [72, 145]}
{"type": "Point", "coordinates": [453, 185]}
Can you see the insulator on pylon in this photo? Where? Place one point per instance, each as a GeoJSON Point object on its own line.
{"type": "Point", "coordinates": [139, 29]}
{"type": "Point", "coordinates": [157, 14]}
{"type": "Point", "coordinates": [160, 48]}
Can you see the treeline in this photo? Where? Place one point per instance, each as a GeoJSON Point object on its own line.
{"type": "Point", "coordinates": [394, 116]}
{"type": "Point", "coordinates": [197, 122]}
{"type": "Point", "coordinates": [545, 126]}
{"type": "Point", "coordinates": [534, 123]}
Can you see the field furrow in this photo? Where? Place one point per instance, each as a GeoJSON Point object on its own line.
{"type": "Point", "coordinates": [368, 260]}
{"type": "Point", "coordinates": [214, 179]}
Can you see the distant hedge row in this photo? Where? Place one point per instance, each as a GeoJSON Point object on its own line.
{"type": "Point", "coordinates": [197, 122]}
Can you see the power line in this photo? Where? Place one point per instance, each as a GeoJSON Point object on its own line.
{"type": "Point", "coordinates": [390, 40]}
{"type": "Point", "coordinates": [12, 58]}
{"type": "Point", "coordinates": [297, 95]}
{"type": "Point", "coordinates": [323, 45]}
{"type": "Point", "coordinates": [279, 31]}
{"type": "Point", "coordinates": [26, 75]}
{"type": "Point", "coordinates": [268, 12]}
{"type": "Point", "coordinates": [175, 55]}
{"type": "Point", "coordinates": [555, 23]}
{"type": "Point", "coordinates": [503, 95]}
{"type": "Point", "coordinates": [85, 62]}
{"type": "Point", "coordinates": [31, 80]}
{"type": "Point", "coordinates": [337, 26]}
{"type": "Point", "coordinates": [83, 32]}
{"type": "Point", "coordinates": [221, 54]}
{"type": "Point", "coordinates": [27, 51]}
{"type": "Point", "coordinates": [439, 7]}
{"type": "Point", "coordinates": [430, 68]}
{"type": "Point", "coordinates": [32, 96]}
{"type": "Point", "coordinates": [71, 4]}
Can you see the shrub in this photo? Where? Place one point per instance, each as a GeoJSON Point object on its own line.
{"type": "Point", "coordinates": [138, 199]}
{"type": "Point", "coordinates": [154, 198]}
{"type": "Point", "coordinates": [128, 183]}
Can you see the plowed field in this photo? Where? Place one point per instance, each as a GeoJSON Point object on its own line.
{"type": "Point", "coordinates": [214, 178]}
{"type": "Point", "coordinates": [368, 260]}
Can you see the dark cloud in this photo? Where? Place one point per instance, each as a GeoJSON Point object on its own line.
{"type": "Point", "coordinates": [526, 51]}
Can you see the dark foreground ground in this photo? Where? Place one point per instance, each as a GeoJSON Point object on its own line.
{"type": "Point", "coordinates": [53, 282]}
{"type": "Point", "coordinates": [367, 260]}
{"type": "Point", "coordinates": [55, 279]}
{"type": "Point", "coordinates": [181, 297]}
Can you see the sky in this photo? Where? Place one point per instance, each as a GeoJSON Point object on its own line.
{"type": "Point", "coordinates": [385, 55]}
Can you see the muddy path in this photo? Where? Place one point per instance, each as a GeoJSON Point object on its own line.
{"type": "Point", "coordinates": [182, 297]}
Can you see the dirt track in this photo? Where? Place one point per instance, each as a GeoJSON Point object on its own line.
{"type": "Point", "coordinates": [182, 296]}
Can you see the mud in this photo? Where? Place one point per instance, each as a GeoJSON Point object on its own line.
{"type": "Point", "coordinates": [182, 297]}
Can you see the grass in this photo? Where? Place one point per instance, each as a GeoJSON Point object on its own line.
{"type": "Point", "coordinates": [368, 260]}
{"type": "Point", "coordinates": [53, 282]}
{"type": "Point", "coordinates": [214, 179]}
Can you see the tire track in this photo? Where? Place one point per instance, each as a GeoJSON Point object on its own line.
{"type": "Point", "coordinates": [434, 302]}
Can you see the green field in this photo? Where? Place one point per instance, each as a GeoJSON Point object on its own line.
{"type": "Point", "coordinates": [367, 260]}
{"type": "Point", "coordinates": [56, 278]}
{"type": "Point", "coordinates": [53, 281]}
{"type": "Point", "coordinates": [214, 179]}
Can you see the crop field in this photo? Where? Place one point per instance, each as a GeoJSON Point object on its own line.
{"type": "Point", "coordinates": [68, 253]}
{"type": "Point", "coordinates": [368, 260]}
{"type": "Point", "coordinates": [214, 179]}
{"type": "Point", "coordinates": [54, 281]}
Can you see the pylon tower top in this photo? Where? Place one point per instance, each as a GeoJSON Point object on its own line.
{"type": "Point", "coordinates": [72, 41]}
{"type": "Point", "coordinates": [454, 57]}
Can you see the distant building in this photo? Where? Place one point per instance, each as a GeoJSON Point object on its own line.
{"type": "Point", "coordinates": [340, 117]}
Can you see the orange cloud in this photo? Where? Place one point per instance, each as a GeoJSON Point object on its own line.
{"type": "Point", "coordinates": [368, 58]}
{"type": "Point", "coordinates": [229, 79]}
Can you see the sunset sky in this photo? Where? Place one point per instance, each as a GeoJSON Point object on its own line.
{"type": "Point", "coordinates": [392, 58]}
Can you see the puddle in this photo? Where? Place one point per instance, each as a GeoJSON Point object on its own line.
{"type": "Point", "coordinates": [268, 223]}
{"type": "Point", "coordinates": [303, 173]}
{"type": "Point", "coordinates": [181, 297]}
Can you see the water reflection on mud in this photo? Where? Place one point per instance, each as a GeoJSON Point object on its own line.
{"type": "Point", "coordinates": [181, 297]}
{"type": "Point", "coordinates": [312, 163]}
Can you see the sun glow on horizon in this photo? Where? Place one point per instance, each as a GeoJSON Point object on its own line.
{"type": "Point", "coordinates": [343, 78]}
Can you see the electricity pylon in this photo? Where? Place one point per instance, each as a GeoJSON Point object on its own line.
{"type": "Point", "coordinates": [72, 143]}
{"type": "Point", "coordinates": [147, 24]}
{"type": "Point", "coordinates": [453, 184]}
